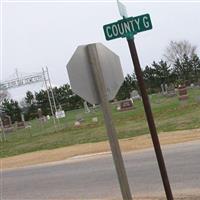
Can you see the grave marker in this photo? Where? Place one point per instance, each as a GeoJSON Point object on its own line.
{"type": "Point", "coordinates": [126, 105]}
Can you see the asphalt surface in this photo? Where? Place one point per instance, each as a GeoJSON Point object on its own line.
{"type": "Point", "coordinates": [94, 177]}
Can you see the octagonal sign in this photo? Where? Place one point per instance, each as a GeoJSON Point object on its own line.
{"type": "Point", "coordinates": [81, 78]}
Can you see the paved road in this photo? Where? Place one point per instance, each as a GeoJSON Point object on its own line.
{"type": "Point", "coordinates": [95, 177]}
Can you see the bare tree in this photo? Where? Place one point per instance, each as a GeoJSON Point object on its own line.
{"type": "Point", "coordinates": [177, 50]}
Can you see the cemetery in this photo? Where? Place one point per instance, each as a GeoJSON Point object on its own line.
{"type": "Point", "coordinates": [42, 134]}
{"type": "Point", "coordinates": [102, 101]}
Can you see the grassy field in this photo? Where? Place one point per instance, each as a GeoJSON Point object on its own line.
{"type": "Point", "coordinates": [169, 114]}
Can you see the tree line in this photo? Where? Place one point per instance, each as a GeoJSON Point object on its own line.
{"type": "Point", "coordinates": [181, 66]}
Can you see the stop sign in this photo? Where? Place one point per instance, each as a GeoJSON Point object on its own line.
{"type": "Point", "coordinates": [81, 77]}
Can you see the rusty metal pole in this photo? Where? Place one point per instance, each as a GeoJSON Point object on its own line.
{"type": "Point", "coordinates": [150, 119]}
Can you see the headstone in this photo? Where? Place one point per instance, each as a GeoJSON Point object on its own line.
{"type": "Point", "coordinates": [86, 108]}
{"type": "Point", "coordinates": [166, 87]}
{"type": "Point", "coordinates": [126, 105]}
{"type": "Point", "coordinates": [77, 123]}
{"type": "Point", "coordinates": [48, 117]}
{"type": "Point", "coordinates": [21, 125]}
{"type": "Point", "coordinates": [42, 118]}
{"type": "Point", "coordinates": [95, 119]}
{"type": "Point", "coordinates": [135, 95]}
{"type": "Point", "coordinates": [7, 123]}
{"type": "Point", "coordinates": [22, 117]}
{"type": "Point", "coordinates": [39, 112]}
{"type": "Point", "coordinates": [192, 85]}
{"type": "Point", "coordinates": [182, 91]}
{"type": "Point", "coordinates": [170, 91]}
{"type": "Point", "coordinates": [28, 126]}
{"type": "Point", "coordinates": [162, 89]}
{"type": "Point", "coordinates": [94, 108]}
{"type": "Point", "coordinates": [118, 108]}
{"type": "Point", "coordinates": [60, 114]}
{"type": "Point", "coordinates": [6, 120]}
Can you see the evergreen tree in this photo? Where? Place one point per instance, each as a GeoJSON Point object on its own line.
{"type": "Point", "coordinates": [162, 73]}
{"type": "Point", "coordinates": [127, 87]}
{"type": "Point", "coordinates": [11, 108]}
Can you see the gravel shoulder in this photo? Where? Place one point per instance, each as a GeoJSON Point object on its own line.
{"type": "Point", "coordinates": [129, 144]}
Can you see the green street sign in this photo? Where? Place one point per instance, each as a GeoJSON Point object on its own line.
{"type": "Point", "coordinates": [127, 27]}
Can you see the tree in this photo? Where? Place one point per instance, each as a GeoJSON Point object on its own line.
{"type": "Point", "coordinates": [196, 67]}
{"type": "Point", "coordinates": [177, 50]}
{"type": "Point", "coordinates": [183, 69]}
{"type": "Point", "coordinates": [155, 75]}
{"type": "Point", "coordinates": [127, 87]}
{"type": "Point", "coordinates": [66, 98]}
{"type": "Point", "coordinates": [162, 72]}
{"type": "Point", "coordinates": [29, 106]}
{"type": "Point", "coordinates": [187, 70]}
{"type": "Point", "coordinates": [11, 108]}
{"type": "Point", "coordinates": [29, 97]}
{"type": "Point", "coordinates": [63, 94]}
{"type": "Point", "coordinates": [149, 77]}
{"type": "Point", "coordinates": [42, 102]}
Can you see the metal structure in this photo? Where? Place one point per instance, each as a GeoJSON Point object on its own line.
{"type": "Point", "coordinates": [50, 93]}
{"type": "Point", "coordinates": [20, 81]}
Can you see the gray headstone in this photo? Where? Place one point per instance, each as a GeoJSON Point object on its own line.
{"type": "Point", "coordinates": [86, 108]}
{"type": "Point", "coordinates": [135, 95]}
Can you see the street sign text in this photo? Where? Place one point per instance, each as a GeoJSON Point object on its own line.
{"type": "Point", "coordinates": [127, 27]}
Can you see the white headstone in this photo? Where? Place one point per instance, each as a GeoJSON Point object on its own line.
{"type": "Point", "coordinates": [135, 95]}
{"type": "Point", "coordinates": [87, 110]}
{"type": "Point", "coordinates": [77, 123]}
{"type": "Point", "coordinates": [95, 119]}
{"type": "Point", "coordinates": [60, 114]}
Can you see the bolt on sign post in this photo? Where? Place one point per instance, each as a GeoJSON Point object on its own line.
{"type": "Point", "coordinates": [128, 27]}
{"type": "Point", "coordinates": [95, 74]}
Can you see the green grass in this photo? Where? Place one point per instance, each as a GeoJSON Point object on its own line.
{"type": "Point", "coordinates": [169, 114]}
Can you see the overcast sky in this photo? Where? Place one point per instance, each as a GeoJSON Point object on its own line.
{"type": "Point", "coordinates": [38, 34]}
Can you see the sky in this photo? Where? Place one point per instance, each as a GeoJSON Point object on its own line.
{"type": "Point", "coordinates": [36, 34]}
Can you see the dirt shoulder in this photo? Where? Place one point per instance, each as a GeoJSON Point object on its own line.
{"type": "Point", "coordinates": [129, 144]}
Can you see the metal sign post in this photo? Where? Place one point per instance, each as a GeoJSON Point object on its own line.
{"type": "Point", "coordinates": [96, 75]}
{"type": "Point", "coordinates": [128, 27]}
{"type": "Point", "coordinates": [150, 119]}
{"type": "Point", "coordinates": [111, 131]}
